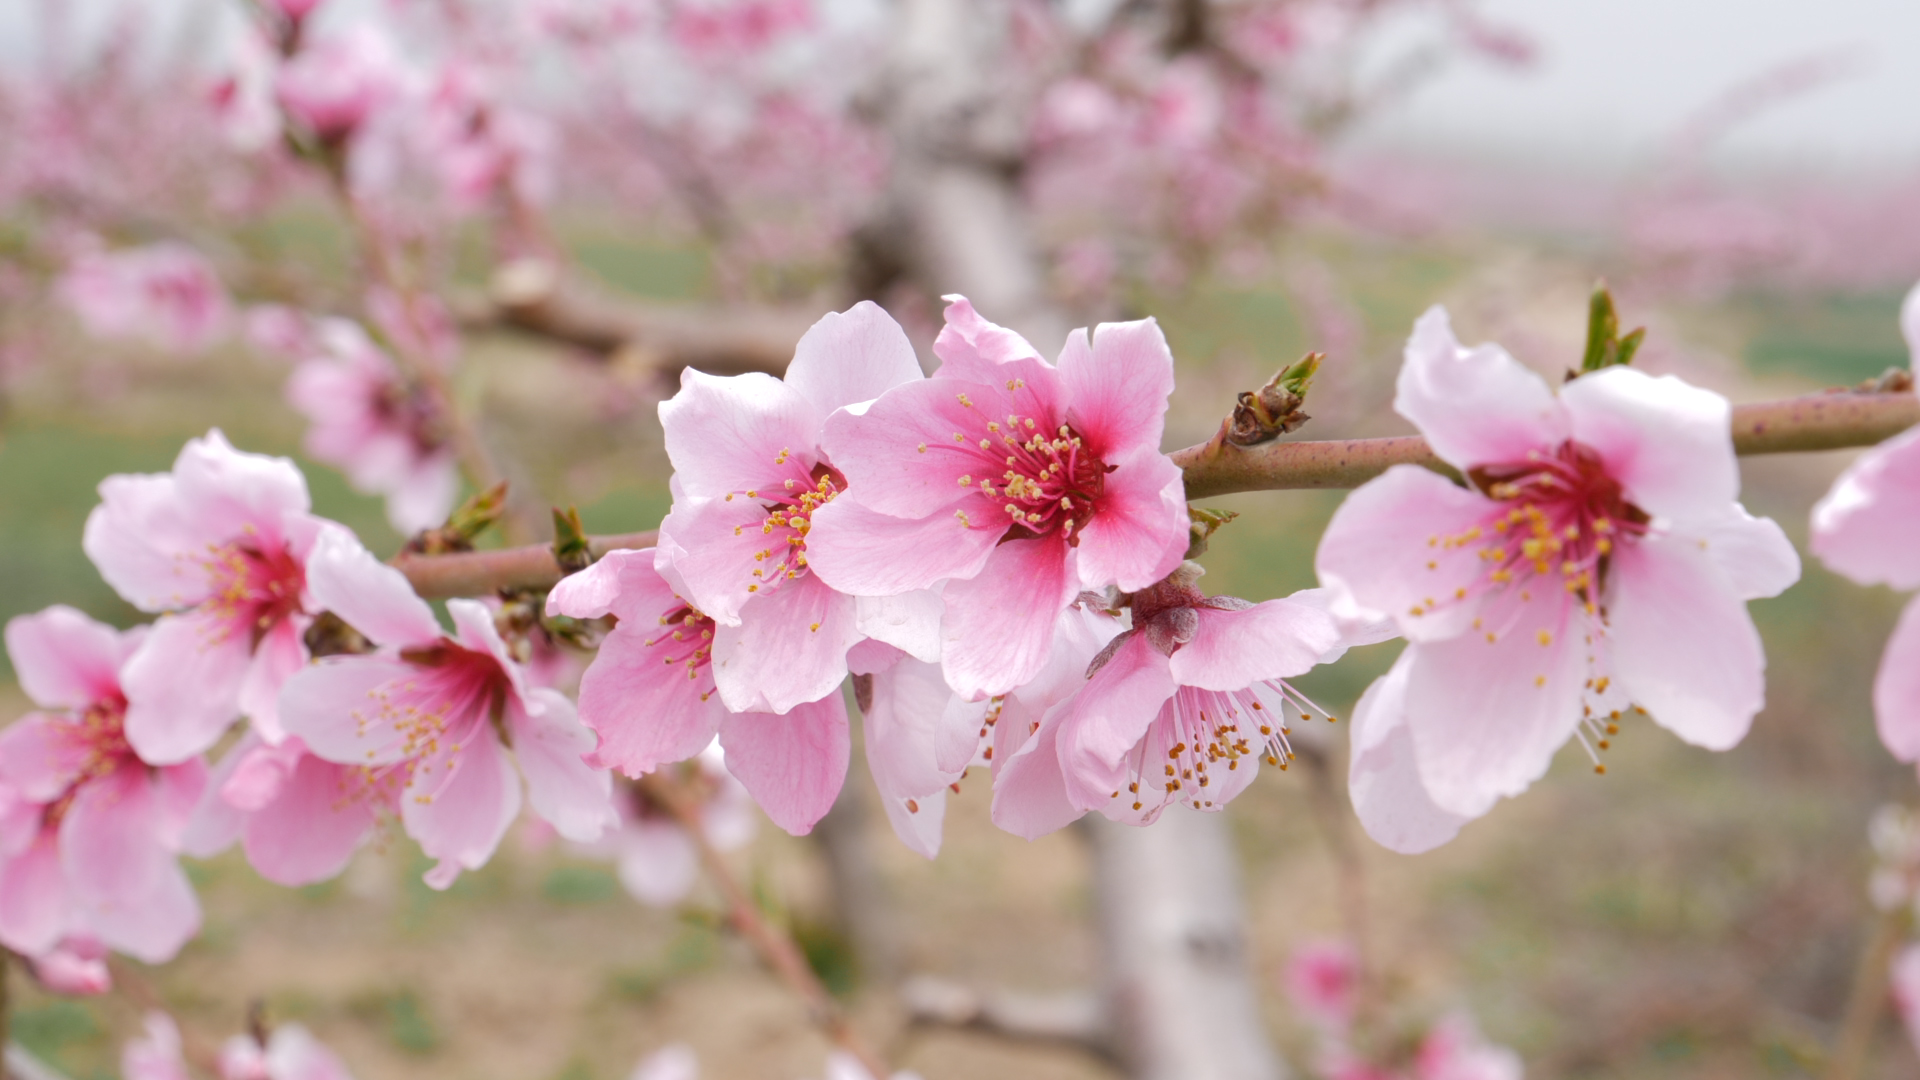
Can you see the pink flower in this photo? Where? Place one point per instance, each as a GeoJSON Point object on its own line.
{"type": "Point", "coordinates": [166, 293]}
{"type": "Point", "coordinates": [333, 86]}
{"type": "Point", "coordinates": [1322, 980]}
{"type": "Point", "coordinates": [1906, 991]}
{"type": "Point", "coordinates": [77, 966]}
{"type": "Point", "coordinates": [1185, 706]}
{"type": "Point", "coordinates": [156, 1056]}
{"type": "Point", "coordinates": [88, 830]}
{"type": "Point", "coordinates": [651, 697]}
{"type": "Point", "coordinates": [655, 858]}
{"type": "Point", "coordinates": [1455, 1050]}
{"type": "Point", "coordinates": [737, 27]}
{"type": "Point", "coordinates": [439, 714]}
{"type": "Point", "coordinates": [298, 817]}
{"type": "Point", "coordinates": [365, 420]}
{"type": "Point", "coordinates": [844, 1066]}
{"type": "Point", "coordinates": [672, 1062]}
{"type": "Point", "coordinates": [1018, 482]}
{"type": "Point", "coordinates": [291, 1053]}
{"type": "Point", "coordinates": [1863, 528]}
{"type": "Point", "coordinates": [242, 99]}
{"type": "Point", "coordinates": [748, 477]}
{"type": "Point", "coordinates": [1598, 561]}
{"type": "Point", "coordinates": [222, 542]}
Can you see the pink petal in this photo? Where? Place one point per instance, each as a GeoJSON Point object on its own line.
{"type": "Point", "coordinates": [143, 539]}
{"type": "Point", "coordinates": [474, 630]}
{"type": "Point", "coordinates": [217, 822]}
{"type": "Point", "coordinates": [793, 765]}
{"type": "Point", "coordinates": [1117, 390]}
{"type": "Point", "coordinates": [154, 927]}
{"type": "Point", "coordinates": [1492, 714]}
{"type": "Point", "coordinates": [549, 742]}
{"type": "Point", "coordinates": [40, 756]}
{"type": "Point", "coordinates": [1896, 689]}
{"type": "Point", "coordinates": [622, 583]}
{"type": "Point", "coordinates": [908, 621]}
{"type": "Point", "coordinates": [657, 863]}
{"type": "Point", "coordinates": [1383, 777]}
{"type": "Point", "coordinates": [63, 659]}
{"type": "Point", "coordinates": [226, 491]}
{"type": "Point", "coordinates": [1030, 796]}
{"type": "Point", "coordinates": [1384, 553]}
{"type": "Point", "coordinates": [338, 707]}
{"type": "Point", "coordinates": [424, 494]}
{"type": "Point", "coordinates": [1233, 650]}
{"type": "Point", "coordinates": [738, 433]}
{"type": "Point", "coordinates": [902, 729]}
{"type": "Point", "coordinates": [1670, 445]}
{"type": "Point", "coordinates": [373, 598]}
{"type": "Point", "coordinates": [1682, 644]}
{"type": "Point", "coordinates": [177, 791]}
{"type": "Point", "coordinates": [183, 685]}
{"type": "Point", "coordinates": [880, 450]}
{"type": "Point", "coordinates": [791, 647]}
{"type": "Point", "coordinates": [970, 347]}
{"type": "Point", "coordinates": [107, 838]}
{"type": "Point", "coordinates": [459, 820]}
{"type": "Point", "coordinates": [646, 713]}
{"type": "Point", "coordinates": [312, 826]}
{"type": "Point", "coordinates": [848, 358]}
{"type": "Point", "coordinates": [1000, 624]}
{"type": "Point", "coordinates": [1476, 406]}
{"type": "Point", "coordinates": [1138, 533]}
{"type": "Point", "coordinates": [1754, 553]}
{"type": "Point", "coordinates": [709, 548]}
{"type": "Point", "coordinates": [918, 820]}
{"type": "Point", "coordinates": [276, 658]}
{"type": "Point", "coordinates": [1863, 528]}
{"type": "Point", "coordinates": [866, 553]}
{"type": "Point", "coordinates": [157, 1056]}
{"type": "Point", "coordinates": [34, 902]}
{"type": "Point", "coordinates": [1107, 719]}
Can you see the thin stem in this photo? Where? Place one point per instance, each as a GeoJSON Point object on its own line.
{"type": "Point", "coordinates": [775, 948]}
{"type": "Point", "coordinates": [1829, 421]}
{"type": "Point", "coordinates": [1868, 997]}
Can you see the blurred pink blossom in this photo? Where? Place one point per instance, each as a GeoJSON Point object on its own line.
{"type": "Point", "coordinates": [156, 1055]}
{"type": "Point", "coordinates": [673, 1062]}
{"type": "Point", "coordinates": [77, 966]}
{"type": "Point", "coordinates": [291, 1053]}
{"type": "Point", "coordinates": [333, 85]}
{"type": "Point", "coordinates": [1322, 980]}
{"type": "Point", "coordinates": [166, 293]}
{"type": "Point", "coordinates": [656, 860]}
{"type": "Point", "coordinates": [735, 28]}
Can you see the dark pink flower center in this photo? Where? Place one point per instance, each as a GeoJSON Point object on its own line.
{"type": "Point", "coordinates": [1200, 733]}
{"type": "Point", "coordinates": [254, 588]}
{"type": "Point", "coordinates": [99, 738]}
{"type": "Point", "coordinates": [789, 519]}
{"type": "Point", "coordinates": [1043, 477]}
{"type": "Point", "coordinates": [686, 641]}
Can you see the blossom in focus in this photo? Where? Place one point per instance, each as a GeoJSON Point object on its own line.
{"type": "Point", "coordinates": [333, 85]}
{"type": "Point", "coordinates": [89, 831]}
{"type": "Point", "coordinates": [166, 293]}
{"type": "Point", "coordinates": [365, 420]}
{"type": "Point", "coordinates": [749, 476]}
{"type": "Point", "coordinates": [1596, 563]}
{"type": "Point", "coordinates": [1018, 482]}
{"type": "Point", "coordinates": [444, 717]}
{"type": "Point", "coordinates": [221, 543]}
{"type": "Point", "coordinates": [650, 695]}
{"type": "Point", "coordinates": [1863, 528]}
{"type": "Point", "coordinates": [1185, 706]}
{"type": "Point", "coordinates": [653, 856]}
{"type": "Point", "coordinates": [298, 817]}
{"type": "Point", "coordinates": [291, 1053]}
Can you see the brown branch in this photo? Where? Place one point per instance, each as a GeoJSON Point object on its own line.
{"type": "Point", "coordinates": [1868, 996]}
{"type": "Point", "coordinates": [477, 573]}
{"type": "Point", "coordinates": [775, 948]}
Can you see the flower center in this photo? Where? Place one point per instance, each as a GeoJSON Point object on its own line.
{"type": "Point", "coordinates": [254, 589]}
{"type": "Point", "coordinates": [1200, 734]}
{"type": "Point", "coordinates": [436, 713]}
{"type": "Point", "coordinates": [789, 518]}
{"type": "Point", "coordinates": [1042, 480]}
{"type": "Point", "coordinates": [100, 735]}
{"type": "Point", "coordinates": [685, 640]}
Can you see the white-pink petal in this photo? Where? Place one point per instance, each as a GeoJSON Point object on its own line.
{"type": "Point", "coordinates": [459, 820]}
{"type": "Point", "coordinates": [1233, 650]}
{"type": "Point", "coordinates": [63, 659]}
{"type": "Point", "coordinates": [1896, 688]}
{"type": "Point", "coordinates": [738, 433]}
{"type": "Point", "coordinates": [549, 741]}
{"type": "Point", "coordinates": [1117, 388]}
{"type": "Point", "coordinates": [790, 647]}
{"type": "Point", "coordinates": [1669, 444]}
{"type": "Point", "coordinates": [1865, 527]}
{"type": "Point", "coordinates": [1139, 532]}
{"type": "Point", "coordinates": [1382, 777]}
{"type": "Point", "coordinates": [1476, 406]}
{"type": "Point", "coordinates": [850, 357]}
{"type": "Point", "coordinates": [183, 685]}
{"type": "Point", "coordinates": [376, 599]}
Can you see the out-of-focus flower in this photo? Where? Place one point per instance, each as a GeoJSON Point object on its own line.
{"type": "Point", "coordinates": [332, 86]}
{"type": "Point", "coordinates": [650, 696]}
{"type": "Point", "coordinates": [242, 99]}
{"type": "Point", "coordinates": [1322, 980]}
{"type": "Point", "coordinates": [654, 857]}
{"type": "Point", "coordinates": [280, 332]}
{"type": "Point", "coordinates": [844, 1066]}
{"type": "Point", "coordinates": [221, 542]}
{"type": "Point", "coordinates": [291, 1053]}
{"type": "Point", "coordinates": [1454, 1049]}
{"type": "Point", "coordinates": [156, 1054]}
{"type": "Point", "coordinates": [1017, 482]}
{"type": "Point", "coordinates": [1864, 529]}
{"type": "Point", "coordinates": [1185, 705]}
{"type": "Point", "coordinates": [1598, 562]}
{"type": "Point", "coordinates": [88, 830]}
{"type": "Point", "coordinates": [76, 966]}
{"type": "Point", "coordinates": [736, 28]}
{"type": "Point", "coordinates": [165, 293]}
{"type": "Point", "coordinates": [298, 817]}
{"type": "Point", "coordinates": [387, 436]}
{"type": "Point", "coordinates": [437, 713]}
{"type": "Point", "coordinates": [672, 1062]}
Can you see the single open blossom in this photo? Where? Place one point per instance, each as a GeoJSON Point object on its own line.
{"type": "Point", "coordinates": [365, 420]}
{"type": "Point", "coordinates": [653, 856]}
{"type": "Point", "coordinates": [166, 293]}
{"type": "Point", "coordinates": [333, 85]}
{"type": "Point", "coordinates": [298, 817]}
{"type": "Point", "coordinates": [221, 542]}
{"type": "Point", "coordinates": [651, 697]}
{"type": "Point", "coordinates": [1018, 482]}
{"type": "Point", "coordinates": [1864, 528]}
{"type": "Point", "coordinates": [88, 830]}
{"type": "Point", "coordinates": [445, 716]}
{"type": "Point", "coordinates": [291, 1053]}
{"type": "Point", "coordinates": [749, 476]}
{"type": "Point", "coordinates": [1596, 562]}
{"type": "Point", "coordinates": [1185, 706]}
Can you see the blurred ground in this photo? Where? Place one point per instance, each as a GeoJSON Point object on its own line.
{"type": "Point", "coordinates": [1687, 915]}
